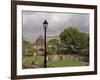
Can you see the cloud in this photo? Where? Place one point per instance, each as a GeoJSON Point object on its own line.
{"type": "Point", "coordinates": [57, 22]}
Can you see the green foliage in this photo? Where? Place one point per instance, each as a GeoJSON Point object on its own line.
{"type": "Point", "coordinates": [53, 42]}
{"type": "Point", "coordinates": [84, 51]}
{"type": "Point", "coordinates": [27, 46]}
{"type": "Point", "coordinates": [49, 50]}
{"type": "Point", "coordinates": [55, 45]}
{"type": "Point", "coordinates": [73, 37]}
{"type": "Point", "coordinates": [52, 45]}
{"type": "Point", "coordinates": [83, 41]}
{"type": "Point", "coordinates": [69, 36]}
{"type": "Point", "coordinates": [32, 50]}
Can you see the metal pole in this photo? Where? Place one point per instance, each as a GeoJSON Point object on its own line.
{"type": "Point", "coordinates": [45, 54]}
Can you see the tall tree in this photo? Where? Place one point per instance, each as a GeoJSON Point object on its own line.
{"type": "Point", "coordinates": [74, 39]}
{"type": "Point", "coordinates": [70, 36]}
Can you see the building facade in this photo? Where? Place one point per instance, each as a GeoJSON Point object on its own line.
{"type": "Point", "coordinates": [39, 43]}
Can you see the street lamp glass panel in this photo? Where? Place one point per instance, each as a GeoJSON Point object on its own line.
{"type": "Point", "coordinates": [45, 24]}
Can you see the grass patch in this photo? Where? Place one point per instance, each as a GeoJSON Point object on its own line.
{"type": "Point", "coordinates": [69, 61]}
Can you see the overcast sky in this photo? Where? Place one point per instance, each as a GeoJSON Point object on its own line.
{"type": "Point", "coordinates": [57, 22]}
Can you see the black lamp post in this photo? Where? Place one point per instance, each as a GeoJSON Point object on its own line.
{"type": "Point", "coordinates": [45, 24]}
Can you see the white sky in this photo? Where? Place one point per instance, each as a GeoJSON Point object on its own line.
{"type": "Point", "coordinates": [57, 22]}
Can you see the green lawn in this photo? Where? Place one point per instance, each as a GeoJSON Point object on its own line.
{"type": "Point", "coordinates": [68, 61]}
